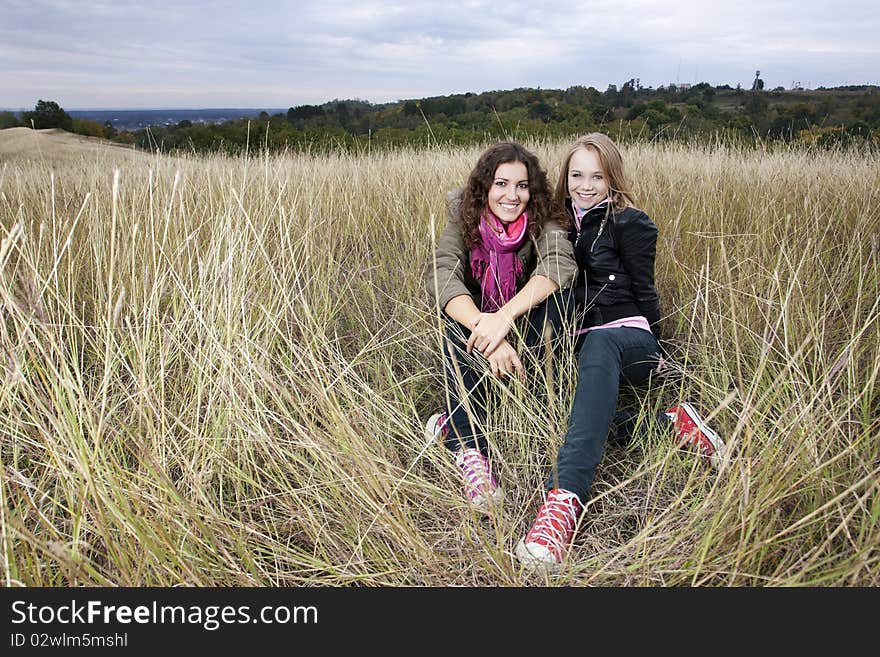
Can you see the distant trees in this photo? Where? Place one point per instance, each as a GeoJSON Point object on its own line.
{"type": "Point", "coordinates": [87, 128]}
{"type": "Point", "coordinates": [448, 105]}
{"type": "Point", "coordinates": [304, 112]}
{"type": "Point", "coordinates": [627, 111]}
{"type": "Point", "coordinates": [8, 120]}
{"type": "Point", "coordinates": [48, 114]}
{"type": "Point", "coordinates": [542, 111]}
{"type": "Point", "coordinates": [756, 105]}
{"type": "Point", "coordinates": [579, 95]}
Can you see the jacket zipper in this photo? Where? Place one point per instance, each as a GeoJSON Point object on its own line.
{"type": "Point", "coordinates": [599, 234]}
{"type": "Point", "coordinates": [581, 231]}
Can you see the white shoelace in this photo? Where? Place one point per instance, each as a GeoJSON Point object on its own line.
{"type": "Point", "coordinates": [555, 522]}
{"type": "Point", "coordinates": [476, 471]}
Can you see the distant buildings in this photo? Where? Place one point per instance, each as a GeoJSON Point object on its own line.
{"type": "Point", "coordinates": [758, 84]}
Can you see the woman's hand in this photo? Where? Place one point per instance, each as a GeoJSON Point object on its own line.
{"type": "Point", "coordinates": [505, 361]}
{"type": "Point", "coordinates": [488, 330]}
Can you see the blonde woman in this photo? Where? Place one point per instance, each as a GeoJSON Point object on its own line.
{"type": "Point", "coordinates": [614, 245]}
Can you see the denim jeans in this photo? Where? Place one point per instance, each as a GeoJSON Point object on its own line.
{"type": "Point", "coordinates": [607, 358]}
{"type": "Point", "coordinates": [465, 374]}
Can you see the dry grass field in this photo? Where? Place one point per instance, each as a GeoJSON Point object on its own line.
{"type": "Point", "coordinates": [215, 372]}
{"type": "Point", "coordinates": [55, 145]}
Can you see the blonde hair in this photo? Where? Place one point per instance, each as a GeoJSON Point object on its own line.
{"type": "Point", "coordinates": [612, 167]}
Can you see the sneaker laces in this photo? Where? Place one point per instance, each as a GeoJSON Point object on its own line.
{"type": "Point", "coordinates": [688, 431]}
{"type": "Point", "coordinates": [477, 473]}
{"type": "Point", "coordinates": [554, 525]}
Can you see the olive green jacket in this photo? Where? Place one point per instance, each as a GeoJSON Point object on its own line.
{"type": "Point", "coordinates": [449, 274]}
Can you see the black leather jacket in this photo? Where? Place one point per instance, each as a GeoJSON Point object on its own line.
{"type": "Point", "coordinates": [615, 255]}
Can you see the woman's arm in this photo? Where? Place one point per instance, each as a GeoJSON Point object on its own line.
{"type": "Point", "coordinates": [638, 247]}
{"type": "Point", "coordinates": [556, 259]}
{"type": "Point", "coordinates": [489, 329]}
{"type": "Point", "coordinates": [503, 359]}
{"type": "Point", "coordinates": [445, 277]}
{"type": "Point", "coordinates": [463, 310]}
{"type": "Point", "coordinates": [556, 268]}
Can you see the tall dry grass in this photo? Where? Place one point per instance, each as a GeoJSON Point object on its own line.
{"type": "Point", "coordinates": [215, 372]}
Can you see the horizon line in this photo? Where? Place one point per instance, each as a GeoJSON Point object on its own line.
{"type": "Point", "coordinates": [400, 100]}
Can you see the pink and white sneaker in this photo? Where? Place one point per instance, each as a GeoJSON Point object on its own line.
{"type": "Point", "coordinates": [436, 428]}
{"type": "Point", "coordinates": [544, 547]}
{"type": "Point", "coordinates": [693, 430]}
{"type": "Point", "coordinates": [479, 485]}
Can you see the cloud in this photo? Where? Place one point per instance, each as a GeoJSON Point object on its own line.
{"type": "Point", "coordinates": [273, 53]}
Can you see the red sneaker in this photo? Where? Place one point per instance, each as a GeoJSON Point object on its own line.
{"type": "Point", "coordinates": [543, 548]}
{"type": "Point", "coordinates": [693, 430]}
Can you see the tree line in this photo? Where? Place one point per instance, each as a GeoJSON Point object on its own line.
{"type": "Point", "coordinates": [675, 112]}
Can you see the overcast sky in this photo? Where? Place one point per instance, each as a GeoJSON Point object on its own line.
{"type": "Point", "coordinates": [268, 53]}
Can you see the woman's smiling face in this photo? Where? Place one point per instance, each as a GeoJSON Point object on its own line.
{"type": "Point", "coordinates": [509, 192]}
{"type": "Point", "coordinates": [587, 183]}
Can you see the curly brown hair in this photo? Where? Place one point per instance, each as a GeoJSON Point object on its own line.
{"type": "Point", "coordinates": [542, 207]}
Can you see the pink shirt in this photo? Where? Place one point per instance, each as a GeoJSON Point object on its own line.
{"type": "Point", "coordinates": [637, 321]}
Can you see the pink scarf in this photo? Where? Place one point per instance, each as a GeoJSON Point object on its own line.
{"type": "Point", "coordinates": [494, 261]}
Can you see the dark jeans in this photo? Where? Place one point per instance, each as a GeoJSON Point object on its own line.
{"type": "Point", "coordinates": [607, 358]}
{"type": "Point", "coordinates": [466, 375]}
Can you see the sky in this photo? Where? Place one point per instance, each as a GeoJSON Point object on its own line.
{"type": "Point", "coordinates": [272, 54]}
